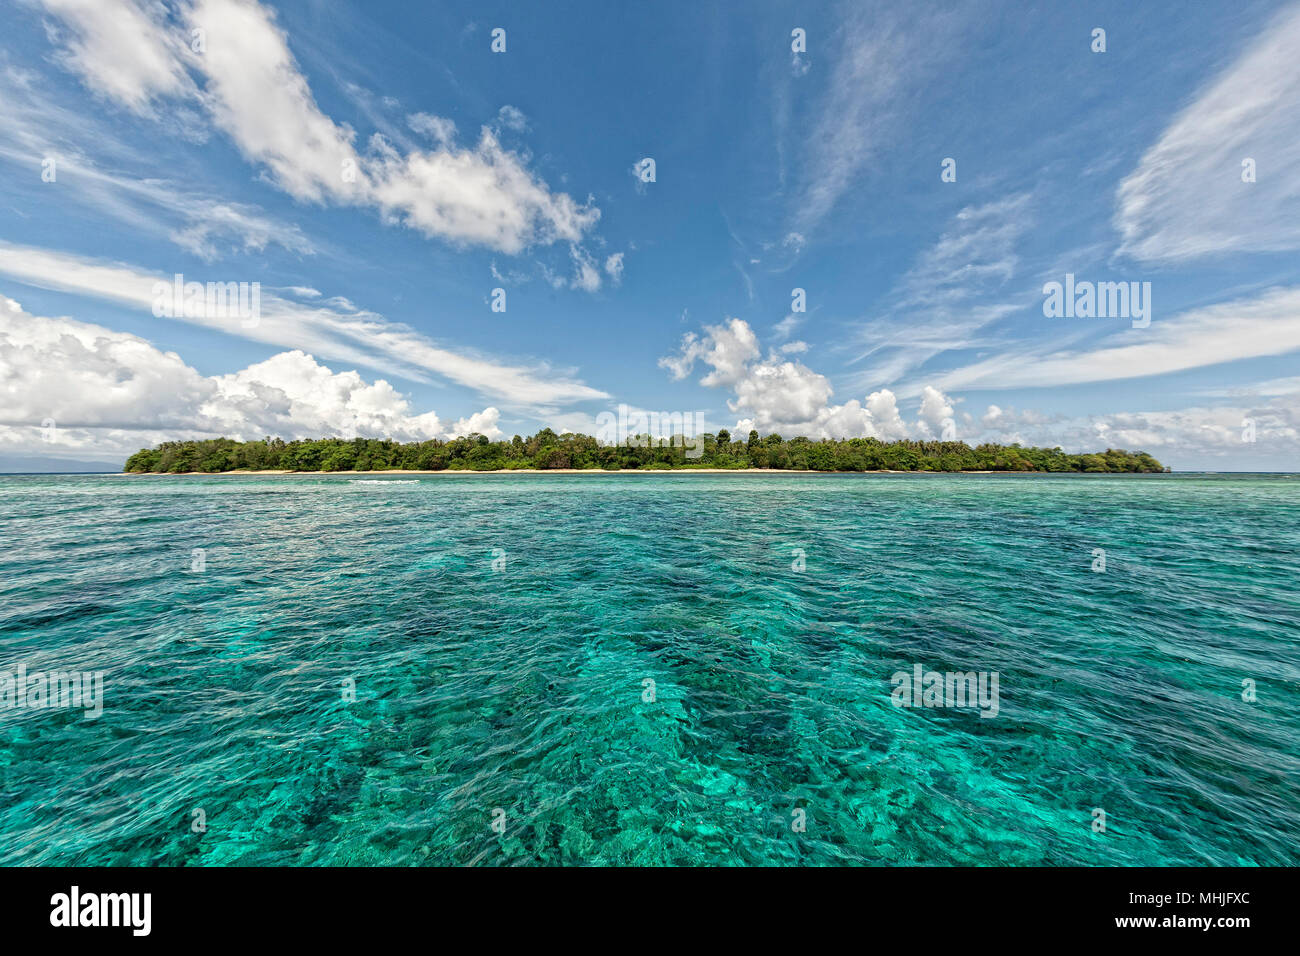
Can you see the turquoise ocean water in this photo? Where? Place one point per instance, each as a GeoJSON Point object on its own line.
{"type": "Point", "coordinates": [516, 679]}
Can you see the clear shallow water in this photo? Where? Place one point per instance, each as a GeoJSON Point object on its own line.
{"type": "Point", "coordinates": [521, 688]}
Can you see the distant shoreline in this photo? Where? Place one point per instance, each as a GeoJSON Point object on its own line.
{"type": "Point", "coordinates": [573, 454]}
{"type": "Point", "coordinates": [1292, 473]}
{"type": "Point", "coordinates": [574, 471]}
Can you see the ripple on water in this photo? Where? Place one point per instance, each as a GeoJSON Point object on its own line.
{"type": "Point", "coordinates": [652, 669]}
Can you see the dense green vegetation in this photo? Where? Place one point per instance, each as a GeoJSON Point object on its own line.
{"type": "Point", "coordinates": [546, 449]}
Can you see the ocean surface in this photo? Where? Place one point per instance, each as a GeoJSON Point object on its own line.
{"type": "Point", "coordinates": [652, 669]}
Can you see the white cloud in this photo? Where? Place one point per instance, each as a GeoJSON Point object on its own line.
{"type": "Point", "coordinates": [254, 91]}
{"type": "Point", "coordinates": [292, 395]}
{"type": "Point", "coordinates": [482, 423]}
{"type": "Point", "coordinates": [1186, 198]}
{"type": "Point", "coordinates": [361, 337]}
{"type": "Point", "coordinates": [936, 412]}
{"type": "Point", "coordinates": [1217, 430]}
{"type": "Point", "coordinates": [580, 423]}
{"type": "Point", "coordinates": [123, 51]}
{"type": "Point", "coordinates": [213, 226]}
{"type": "Point", "coordinates": [586, 274]}
{"type": "Point", "coordinates": [438, 128]}
{"type": "Point", "coordinates": [1263, 326]}
{"type": "Point", "coordinates": [103, 389]}
{"type": "Point", "coordinates": [778, 395]}
{"type": "Point", "coordinates": [785, 328]}
{"type": "Point", "coordinates": [614, 267]}
{"type": "Point", "coordinates": [81, 374]}
{"type": "Point", "coordinates": [977, 252]}
{"type": "Point", "coordinates": [727, 348]}
{"type": "Point", "coordinates": [1268, 389]}
{"type": "Point", "coordinates": [1205, 434]}
{"type": "Point", "coordinates": [512, 118]}
{"type": "Point", "coordinates": [481, 196]}
{"type": "Point", "coordinates": [882, 408]}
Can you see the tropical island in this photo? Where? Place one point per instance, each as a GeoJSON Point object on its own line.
{"type": "Point", "coordinates": [549, 451]}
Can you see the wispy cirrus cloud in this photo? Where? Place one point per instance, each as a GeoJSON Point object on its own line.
{"type": "Point", "coordinates": [954, 289]}
{"type": "Point", "coordinates": [33, 127]}
{"type": "Point", "coordinates": [882, 57]}
{"type": "Point", "coordinates": [1267, 325]}
{"type": "Point", "coordinates": [329, 329]}
{"type": "Point", "coordinates": [1186, 199]}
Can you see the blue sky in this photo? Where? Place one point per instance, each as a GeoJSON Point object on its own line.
{"type": "Point", "coordinates": [215, 138]}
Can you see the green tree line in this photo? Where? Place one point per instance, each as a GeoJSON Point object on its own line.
{"type": "Point", "coordinates": [546, 449]}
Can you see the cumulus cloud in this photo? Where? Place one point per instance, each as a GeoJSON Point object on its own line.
{"type": "Point", "coordinates": [726, 348]}
{"type": "Point", "coordinates": [293, 395]}
{"type": "Point", "coordinates": [936, 412]}
{"type": "Point", "coordinates": [882, 407]}
{"type": "Point", "coordinates": [775, 394]}
{"type": "Point", "coordinates": [110, 387]}
{"type": "Point", "coordinates": [480, 423]}
{"type": "Point", "coordinates": [81, 374]}
{"type": "Point", "coordinates": [1262, 427]}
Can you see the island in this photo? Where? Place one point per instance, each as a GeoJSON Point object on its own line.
{"type": "Point", "coordinates": [550, 451]}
